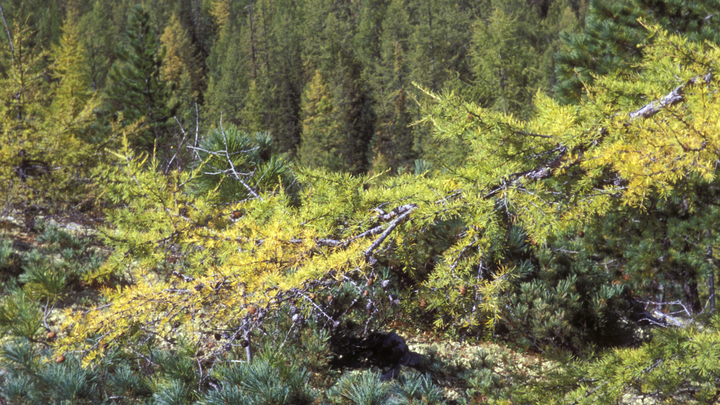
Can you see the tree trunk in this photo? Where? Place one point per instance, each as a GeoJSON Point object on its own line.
{"type": "Point", "coordinates": [692, 297]}
{"type": "Point", "coordinates": [711, 279]}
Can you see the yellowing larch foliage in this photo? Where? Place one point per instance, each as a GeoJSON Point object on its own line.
{"type": "Point", "coordinates": [194, 267]}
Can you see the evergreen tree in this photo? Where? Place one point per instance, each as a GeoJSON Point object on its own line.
{"type": "Point", "coordinates": [316, 51]}
{"type": "Point", "coordinates": [367, 42]}
{"type": "Point", "coordinates": [197, 21]}
{"type": "Point", "coordinates": [272, 44]}
{"type": "Point", "coordinates": [439, 59]}
{"type": "Point", "coordinates": [393, 140]}
{"type": "Point", "coordinates": [253, 115]}
{"type": "Point", "coordinates": [613, 31]}
{"type": "Point", "coordinates": [98, 37]}
{"type": "Point", "coordinates": [560, 17]}
{"type": "Point", "coordinates": [440, 42]}
{"type": "Point", "coordinates": [137, 89]}
{"type": "Point", "coordinates": [180, 68]}
{"type": "Point", "coordinates": [45, 126]}
{"type": "Point", "coordinates": [228, 67]}
{"type": "Point", "coordinates": [284, 77]}
{"type": "Point", "coordinates": [321, 144]}
{"type": "Point", "coordinates": [43, 19]}
{"type": "Point", "coordinates": [341, 72]}
{"type": "Point", "coordinates": [240, 85]}
{"type": "Point", "coordinates": [503, 60]}
{"type": "Point", "coordinates": [353, 111]}
{"type": "Point", "coordinates": [608, 43]}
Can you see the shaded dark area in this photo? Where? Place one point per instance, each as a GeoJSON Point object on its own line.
{"type": "Point", "coordinates": [385, 350]}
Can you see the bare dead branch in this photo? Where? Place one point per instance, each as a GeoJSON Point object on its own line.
{"type": "Point", "coordinates": [406, 212]}
{"type": "Point", "coordinates": [197, 129]}
{"type": "Point", "coordinates": [167, 168]}
{"type": "Point", "coordinates": [671, 98]}
{"type": "Point", "coordinates": [227, 156]}
{"type": "Point", "coordinates": [7, 29]}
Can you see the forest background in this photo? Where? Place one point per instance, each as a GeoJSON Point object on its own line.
{"type": "Point", "coordinates": [215, 201]}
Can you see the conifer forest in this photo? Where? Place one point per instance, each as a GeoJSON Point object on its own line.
{"type": "Point", "coordinates": [287, 202]}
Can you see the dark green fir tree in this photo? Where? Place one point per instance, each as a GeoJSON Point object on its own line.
{"type": "Point", "coordinates": [321, 144]}
{"type": "Point", "coordinates": [503, 59]}
{"type": "Point", "coordinates": [137, 89]}
{"type": "Point", "coordinates": [394, 138]}
{"type": "Point", "coordinates": [613, 31]}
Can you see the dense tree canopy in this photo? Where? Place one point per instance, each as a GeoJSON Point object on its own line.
{"type": "Point", "coordinates": [272, 184]}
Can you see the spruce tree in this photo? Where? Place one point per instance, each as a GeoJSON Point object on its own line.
{"type": "Point", "coordinates": [613, 31]}
{"type": "Point", "coordinates": [341, 71]}
{"type": "Point", "coordinates": [284, 79]}
{"type": "Point", "coordinates": [316, 42]}
{"type": "Point", "coordinates": [240, 86]}
{"type": "Point", "coordinates": [393, 140]}
{"type": "Point", "coordinates": [440, 42]}
{"type": "Point", "coordinates": [607, 44]}
{"type": "Point", "coordinates": [561, 17]}
{"type": "Point", "coordinates": [253, 115]}
{"type": "Point", "coordinates": [196, 20]}
{"type": "Point", "coordinates": [439, 58]}
{"type": "Point", "coordinates": [43, 19]}
{"type": "Point", "coordinates": [321, 142]}
{"type": "Point", "coordinates": [228, 67]}
{"type": "Point", "coordinates": [271, 43]}
{"type": "Point", "coordinates": [366, 41]}
{"type": "Point", "coordinates": [181, 68]}
{"type": "Point", "coordinates": [137, 89]}
{"type": "Point", "coordinates": [98, 38]}
{"type": "Point", "coordinates": [503, 61]}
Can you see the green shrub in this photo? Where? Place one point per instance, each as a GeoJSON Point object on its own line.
{"type": "Point", "coordinates": [10, 262]}
{"type": "Point", "coordinates": [360, 388]}
{"type": "Point", "coordinates": [236, 165]}
{"type": "Point", "coordinates": [413, 388]}
{"type": "Point", "coordinates": [19, 314]}
{"type": "Point", "coordinates": [267, 380]}
{"type": "Point", "coordinates": [173, 392]}
{"type": "Point", "coordinates": [44, 281]}
{"type": "Point", "coordinates": [60, 238]}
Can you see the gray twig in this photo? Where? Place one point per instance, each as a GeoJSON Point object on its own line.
{"type": "Point", "coordinates": [409, 209]}
{"type": "Point", "coordinates": [7, 29]}
{"type": "Point", "coordinates": [232, 166]}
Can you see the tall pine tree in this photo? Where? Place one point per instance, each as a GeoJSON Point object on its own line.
{"type": "Point", "coordinates": [137, 89]}
{"type": "Point", "coordinates": [393, 139]}
{"type": "Point", "coordinates": [321, 144]}
{"type": "Point", "coordinates": [327, 48]}
{"type": "Point", "coordinates": [613, 31]}
{"type": "Point", "coordinates": [181, 69]}
{"type": "Point", "coordinates": [284, 76]}
{"type": "Point", "coordinates": [228, 67]}
{"type": "Point", "coordinates": [504, 59]}
{"type": "Point", "coordinates": [99, 38]}
{"type": "Point", "coordinates": [45, 123]}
